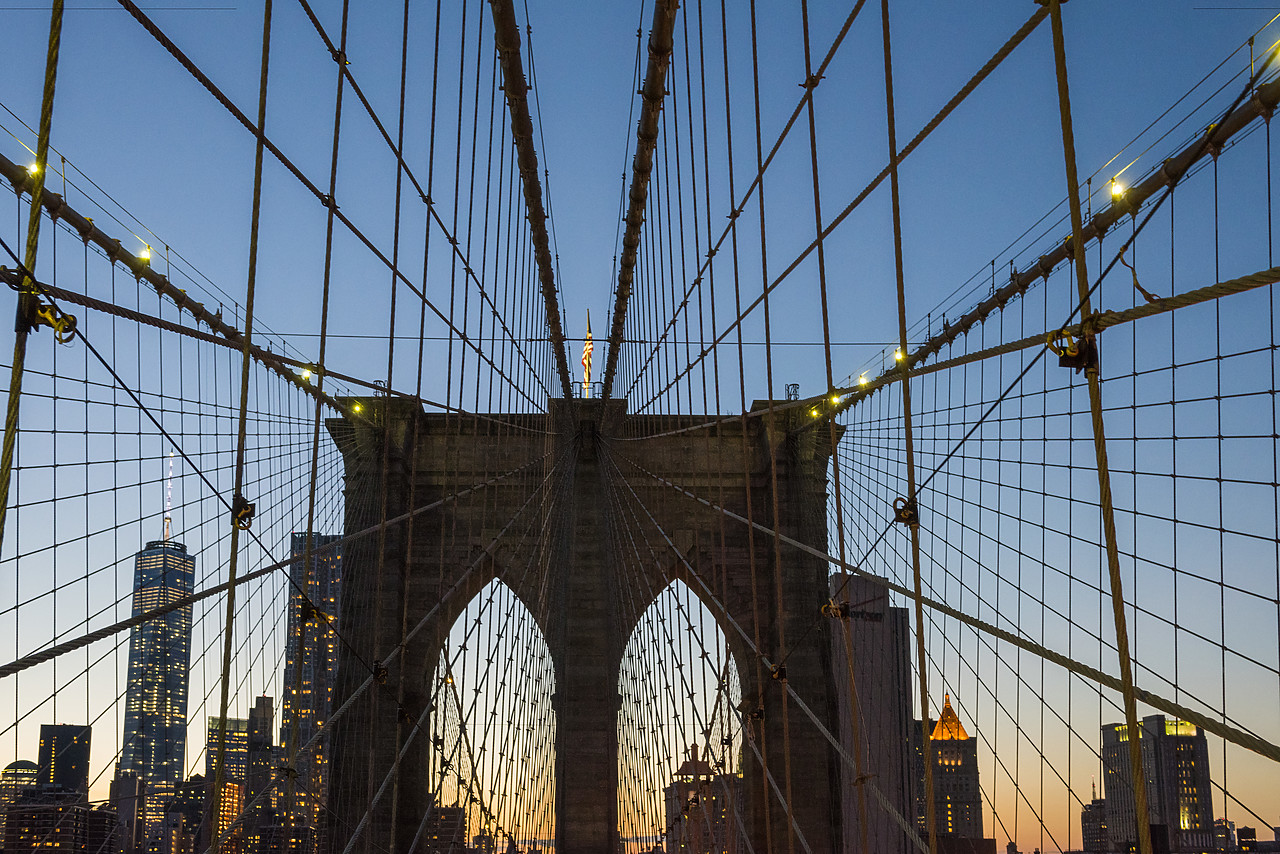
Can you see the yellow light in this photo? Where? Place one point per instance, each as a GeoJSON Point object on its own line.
{"type": "Point", "coordinates": [862, 379]}
{"type": "Point", "coordinates": [33, 169]}
{"type": "Point", "coordinates": [1117, 189]}
{"type": "Point", "coordinates": [897, 355]}
{"type": "Point", "coordinates": [356, 408]}
{"type": "Point", "coordinates": [835, 398]}
{"type": "Point", "coordinates": [145, 254]}
{"type": "Point", "coordinates": [306, 373]}
{"type": "Point", "coordinates": [814, 412]}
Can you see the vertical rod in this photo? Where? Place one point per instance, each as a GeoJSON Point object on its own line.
{"type": "Point", "coordinates": [1100, 444]}
{"type": "Point", "coordinates": [26, 294]}
{"type": "Point", "coordinates": [926, 745]}
{"type": "Point", "coordinates": [228, 631]}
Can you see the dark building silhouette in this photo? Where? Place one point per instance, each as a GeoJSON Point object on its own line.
{"type": "Point", "coordinates": [873, 698]}
{"type": "Point", "coordinates": [311, 660]}
{"type": "Point", "coordinates": [64, 757]}
{"type": "Point", "coordinates": [16, 778]}
{"type": "Point", "coordinates": [1175, 758]}
{"type": "Point", "coordinates": [703, 809]}
{"type": "Point", "coordinates": [1093, 825]}
{"type": "Point", "coordinates": [128, 792]}
{"type": "Point", "coordinates": [155, 717]}
{"type": "Point", "coordinates": [445, 830]}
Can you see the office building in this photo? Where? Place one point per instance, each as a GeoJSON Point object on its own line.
{"type": "Point", "coordinates": [1093, 825]}
{"type": "Point", "coordinates": [873, 696]}
{"type": "Point", "coordinates": [703, 809]}
{"type": "Point", "coordinates": [128, 791]}
{"type": "Point", "coordinates": [1175, 757]}
{"type": "Point", "coordinates": [64, 757]}
{"type": "Point", "coordinates": [16, 778]}
{"type": "Point", "coordinates": [311, 660]}
{"type": "Point", "coordinates": [957, 793]}
{"type": "Point", "coordinates": [445, 830]}
{"type": "Point", "coordinates": [154, 740]}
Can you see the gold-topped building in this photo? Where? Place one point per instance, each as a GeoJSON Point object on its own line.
{"type": "Point", "coordinates": [957, 796]}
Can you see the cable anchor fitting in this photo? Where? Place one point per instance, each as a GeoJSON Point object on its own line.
{"type": "Point", "coordinates": [242, 512]}
{"type": "Point", "coordinates": [1079, 353]}
{"type": "Point", "coordinates": [837, 610]}
{"type": "Point", "coordinates": [62, 324]}
{"type": "Point", "coordinates": [905, 513]}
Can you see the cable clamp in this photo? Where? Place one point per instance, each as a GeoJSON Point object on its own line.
{"type": "Point", "coordinates": [811, 82]}
{"type": "Point", "coordinates": [779, 672]}
{"type": "Point", "coordinates": [379, 673]}
{"type": "Point", "coordinates": [289, 771]}
{"type": "Point", "coordinates": [241, 512]}
{"type": "Point", "coordinates": [1079, 353]}
{"type": "Point", "coordinates": [62, 324]}
{"type": "Point", "coordinates": [905, 512]}
{"type": "Point", "coordinates": [836, 610]}
{"type": "Point", "coordinates": [405, 717]}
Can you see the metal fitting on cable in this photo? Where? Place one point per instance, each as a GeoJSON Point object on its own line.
{"type": "Point", "coordinates": [905, 512]}
{"type": "Point", "coordinates": [836, 610]}
{"type": "Point", "coordinates": [242, 512]}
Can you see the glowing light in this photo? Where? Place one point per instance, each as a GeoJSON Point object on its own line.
{"type": "Point", "coordinates": [862, 379]}
{"type": "Point", "coordinates": [835, 399]}
{"type": "Point", "coordinates": [33, 169]}
{"type": "Point", "coordinates": [306, 373]}
{"type": "Point", "coordinates": [356, 407]}
{"type": "Point", "coordinates": [897, 356]}
{"type": "Point", "coordinates": [145, 254]}
{"type": "Point", "coordinates": [1117, 189]}
{"type": "Point", "coordinates": [814, 412]}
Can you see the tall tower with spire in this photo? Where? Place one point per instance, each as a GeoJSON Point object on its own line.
{"type": "Point", "coordinates": [154, 740]}
{"type": "Point", "coordinates": [957, 796]}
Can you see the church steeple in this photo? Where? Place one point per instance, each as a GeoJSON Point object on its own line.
{"type": "Point", "coordinates": [949, 726]}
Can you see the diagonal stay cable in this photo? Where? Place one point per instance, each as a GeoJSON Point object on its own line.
{"type": "Point", "coordinates": [1236, 736]}
{"type": "Point", "coordinates": [324, 199]}
{"type": "Point", "coordinates": [1007, 48]}
{"type": "Point", "coordinates": [397, 150]}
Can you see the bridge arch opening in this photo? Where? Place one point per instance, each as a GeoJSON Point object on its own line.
{"type": "Point", "coordinates": [492, 757]}
{"type": "Point", "coordinates": [680, 736]}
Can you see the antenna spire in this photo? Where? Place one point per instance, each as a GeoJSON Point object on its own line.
{"type": "Point", "coordinates": [168, 501]}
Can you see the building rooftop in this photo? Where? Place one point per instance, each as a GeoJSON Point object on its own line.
{"type": "Point", "coordinates": [949, 726]}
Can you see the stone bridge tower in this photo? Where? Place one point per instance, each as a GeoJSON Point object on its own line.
{"type": "Point", "coordinates": [424, 570]}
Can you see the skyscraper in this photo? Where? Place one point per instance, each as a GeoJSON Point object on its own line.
{"type": "Point", "coordinates": [155, 715]}
{"type": "Point", "coordinates": [1093, 825]}
{"type": "Point", "coordinates": [877, 678]}
{"type": "Point", "coordinates": [311, 660]}
{"type": "Point", "coordinates": [64, 757]}
{"type": "Point", "coordinates": [1175, 758]}
{"type": "Point", "coordinates": [957, 795]}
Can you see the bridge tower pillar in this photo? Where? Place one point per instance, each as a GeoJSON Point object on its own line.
{"type": "Point", "coordinates": [424, 575]}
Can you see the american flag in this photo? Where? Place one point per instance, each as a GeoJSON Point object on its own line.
{"type": "Point", "coordinates": [587, 347]}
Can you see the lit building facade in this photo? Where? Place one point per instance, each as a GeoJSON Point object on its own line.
{"type": "Point", "coordinates": [1175, 761]}
{"type": "Point", "coordinates": [311, 661]}
{"type": "Point", "coordinates": [957, 795]}
{"type": "Point", "coordinates": [154, 741]}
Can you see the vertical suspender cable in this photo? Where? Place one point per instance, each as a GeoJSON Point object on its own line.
{"type": "Point", "coordinates": [219, 776]}
{"type": "Point", "coordinates": [1100, 443]}
{"type": "Point", "coordinates": [914, 524]}
{"type": "Point", "coordinates": [26, 294]}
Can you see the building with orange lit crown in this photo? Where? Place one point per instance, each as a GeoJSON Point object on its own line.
{"type": "Point", "coordinates": [957, 797]}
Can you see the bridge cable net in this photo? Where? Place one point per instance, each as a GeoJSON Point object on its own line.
{"type": "Point", "coordinates": [698, 613]}
{"type": "Point", "coordinates": [191, 551]}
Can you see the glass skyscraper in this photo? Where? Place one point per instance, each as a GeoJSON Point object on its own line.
{"type": "Point", "coordinates": [155, 715]}
{"type": "Point", "coordinates": [311, 661]}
